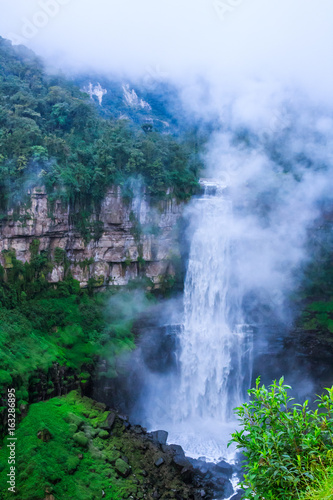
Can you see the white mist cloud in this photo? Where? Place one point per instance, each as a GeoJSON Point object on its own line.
{"type": "Point", "coordinates": [227, 40]}
{"type": "Point", "coordinates": [277, 173]}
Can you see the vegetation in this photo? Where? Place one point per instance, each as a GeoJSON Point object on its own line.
{"type": "Point", "coordinates": [51, 134]}
{"type": "Point", "coordinates": [43, 325]}
{"type": "Point", "coordinates": [72, 448]}
{"type": "Point", "coordinates": [63, 450]}
{"type": "Point", "coordinates": [288, 446]}
{"type": "Point", "coordinates": [315, 297]}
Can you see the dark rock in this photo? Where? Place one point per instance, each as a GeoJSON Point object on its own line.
{"type": "Point", "coordinates": [159, 462]}
{"type": "Point", "coordinates": [182, 461]}
{"type": "Point", "coordinates": [201, 467]}
{"type": "Point", "coordinates": [159, 437]}
{"type": "Point", "coordinates": [137, 429]}
{"type": "Point", "coordinates": [223, 485]}
{"type": "Point", "coordinates": [23, 410]}
{"type": "Point", "coordinates": [144, 473]}
{"type": "Point", "coordinates": [187, 474]}
{"type": "Point", "coordinates": [176, 449]}
{"type": "Point", "coordinates": [45, 435]}
{"type": "Point", "coordinates": [224, 468]}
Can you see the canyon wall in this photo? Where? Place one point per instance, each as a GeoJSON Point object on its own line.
{"type": "Point", "coordinates": [134, 237]}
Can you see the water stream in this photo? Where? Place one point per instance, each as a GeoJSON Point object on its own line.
{"type": "Point", "coordinates": [215, 346]}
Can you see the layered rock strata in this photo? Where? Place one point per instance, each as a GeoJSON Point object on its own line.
{"type": "Point", "coordinates": [134, 237]}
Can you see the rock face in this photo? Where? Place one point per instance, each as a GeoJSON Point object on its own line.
{"type": "Point", "coordinates": [134, 237]}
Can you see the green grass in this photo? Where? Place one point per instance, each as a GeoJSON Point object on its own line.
{"type": "Point", "coordinates": [323, 489]}
{"type": "Point", "coordinates": [62, 466]}
{"type": "Point", "coordinates": [71, 331]}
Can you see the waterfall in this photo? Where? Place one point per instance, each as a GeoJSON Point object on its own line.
{"type": "Point", "coordinates": [215, 345]}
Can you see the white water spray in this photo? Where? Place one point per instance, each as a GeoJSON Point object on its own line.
{"type": "Point", "coordinates": [215, 345]}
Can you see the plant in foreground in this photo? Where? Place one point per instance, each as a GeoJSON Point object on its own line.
{"type": "Point", "coordinates": [286, 445]}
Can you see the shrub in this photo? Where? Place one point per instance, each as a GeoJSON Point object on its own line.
{"type": "Point", "coordinates": [286, 445]}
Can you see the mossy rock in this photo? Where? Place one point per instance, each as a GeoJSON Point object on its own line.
{"type": "Point", "coordinates": [71, 418]}
{"type": "Point", "coordinates": [44, 435]}
{"type": "Point", "coordinates": [100, 406]}
{"type": "Point", "coordinates": [122, 467]}
{"type": "Point", "coordinates": [89, 432]}
{"type": "Point", "coordinates": [94, 414]}
{"type": "Point", "coordinates": [111, 456]}
{"type": "Point", "coordinates": [103, 434]}
{"type": "Point", "coordinates": [81, 439]}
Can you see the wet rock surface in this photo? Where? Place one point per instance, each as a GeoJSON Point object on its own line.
{"type": "Point", "coordinates": [168, 473]}
{"type": "Point", "coordinates": [112, 258]}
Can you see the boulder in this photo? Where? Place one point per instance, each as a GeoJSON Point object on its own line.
{"type": "Point", "coordinates": [122, 468]}
{"type": "Point", "coordinates": [159, 462]}
{"type": "Point", "coordinates": [45, 435]}
{"type": "Point", "coordinates": [159, 437]}
{"type": "Point", "coordinates": [224, 486]}
{"type": "Point", "coordinates": [71, 418]}
{"type": "Point", "coordinates": [108, 423]}
{"type": "Point", "coordinates": [224, 468]}
{"type": "Point", "coordinates": [176, 449]}
{"type": "Point", "coordinates": [111, 456]}
{"type": "Point", "coordinates": [81, 439]}
{"type": "Point", "coordinates": [182, 461]}
{"type": "Point", "coordinates": [103, 434]}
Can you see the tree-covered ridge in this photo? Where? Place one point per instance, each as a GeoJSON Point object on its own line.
{"type": "Point", "coordinates": [52, 134]}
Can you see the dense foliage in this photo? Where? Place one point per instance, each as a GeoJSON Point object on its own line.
{"type": "Point", "coordinates": [77, 459]}
{"type": "Point", "coordinates": [52, 134]}
{"type": "Point", "coordinates": [316, 288]}
{"type": "Point", "coordinates": [42, 324]}
{"type": "Point", "coordinates": [288, 446]}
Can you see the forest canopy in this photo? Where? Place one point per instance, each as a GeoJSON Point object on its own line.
{"type": "Point", "coordinates": [52, 134]}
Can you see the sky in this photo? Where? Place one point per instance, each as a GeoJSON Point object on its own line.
{"type": "Point", "coordinates": [222, 40]}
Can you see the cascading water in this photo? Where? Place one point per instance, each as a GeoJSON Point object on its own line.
{"type": "Point", "coordinates": [215, 347]}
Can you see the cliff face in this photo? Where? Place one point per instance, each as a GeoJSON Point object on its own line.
{"type": "Point", "coordinates": [134, 236]}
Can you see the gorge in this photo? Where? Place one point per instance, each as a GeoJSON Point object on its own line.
{"type": "Point", "coordinates": [156, 257]}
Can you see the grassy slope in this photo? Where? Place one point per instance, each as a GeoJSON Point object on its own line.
{"type": "Point", "coordinates": [71, 331]}
{"type": "Point", "coordinates": [83, 461]}
{"type": "Point", "coordinates": [56, 466]}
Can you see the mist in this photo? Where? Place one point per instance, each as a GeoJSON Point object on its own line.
{"type": "Point", "coordinates": [261, 73]}
{"type": "Point", "coordinates": [226, 41]}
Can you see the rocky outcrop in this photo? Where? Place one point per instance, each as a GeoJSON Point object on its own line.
{"type": "Point", "coordinates": [134, 237]}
